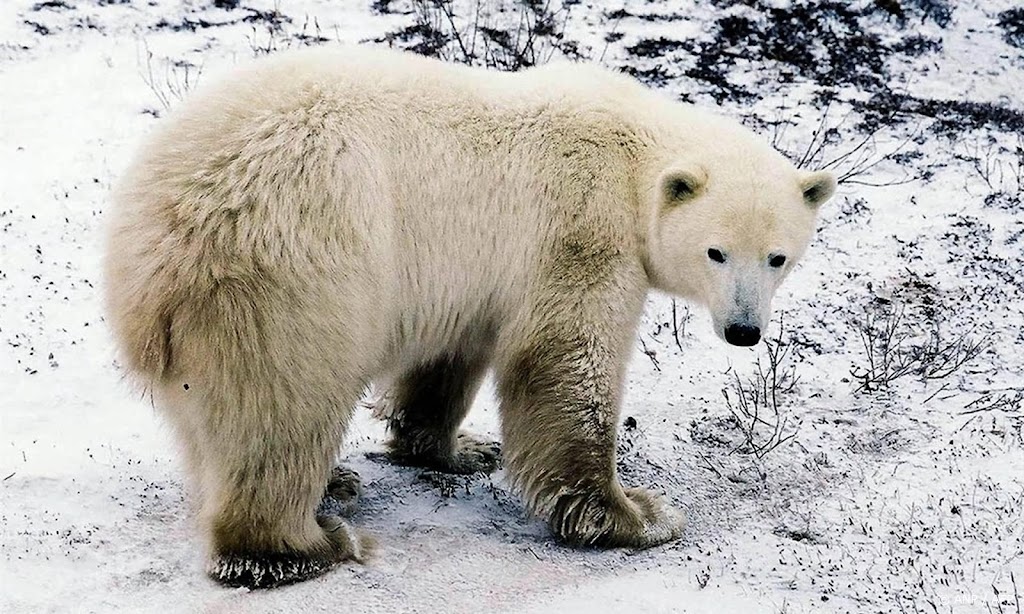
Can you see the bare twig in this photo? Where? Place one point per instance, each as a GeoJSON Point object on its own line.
{"type": "Point", "coordinates": [178, 79]}
{"type": "Point", "coordinates": [853, 165]}
{"type": "Point", "coordinates": [995, 402]}
{"type": "Point", "coordinates": [651, 354]}
{"type": "Point", "coordinates": [755, 404]}
{"type": "Point", "coordinates": [815, 146]}
{"type": "Point", "coordinates": [1016, 594]}
{"type": "Point", "coordinates": [1000, 167]}
{"type": "Point", "coordinates": [710, 465]}
{"type": "Point", "coordinates": [675, 324]}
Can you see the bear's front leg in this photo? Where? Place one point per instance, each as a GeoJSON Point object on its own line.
{"type": "Point", "coordinates": [560, 393]}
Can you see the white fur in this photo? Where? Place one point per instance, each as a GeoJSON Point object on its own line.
{"type": "Point", "coordinates": [326, 219]}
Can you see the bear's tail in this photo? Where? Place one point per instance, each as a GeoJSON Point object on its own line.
{"type": "Point", "coordinates": [140, 297]}
{"type": "Point", "coordinates": [152, 271]}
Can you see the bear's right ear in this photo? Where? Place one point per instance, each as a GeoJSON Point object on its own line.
{"type": "Point", "coordinates": [817, 188]}
{"type": "Point", "coordinates": [681, 185]}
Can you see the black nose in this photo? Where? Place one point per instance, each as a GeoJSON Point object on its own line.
{"type": "Point", "coordinates": [741, 334]}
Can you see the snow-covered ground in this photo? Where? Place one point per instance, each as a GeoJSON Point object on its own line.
{"type": "Point", "coordinates": [900, 498]}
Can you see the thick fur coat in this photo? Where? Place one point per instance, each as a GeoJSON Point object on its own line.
{"type": "Point", "coordinates": [327, 219]}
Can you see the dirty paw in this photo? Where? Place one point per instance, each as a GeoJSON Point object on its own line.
{"type": "Point", "coordinates": [635, 518]}
{"type": "Point", "coordinates": [342, 494]}
{"type": "Point", "coordinates": [474, 455]}
{"type": "Point", "coordinates": [470, 455]}
{"type": "Point", "coordinates": [255, 569]}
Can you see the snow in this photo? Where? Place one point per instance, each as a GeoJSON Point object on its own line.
{"type": "Point", "coordinates": [894, 500]}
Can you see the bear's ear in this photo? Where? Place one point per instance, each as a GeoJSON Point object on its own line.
{"type": "Point", "coordinates": [817, 187]}
{"type": "Point", "coordinates": [680, 185]}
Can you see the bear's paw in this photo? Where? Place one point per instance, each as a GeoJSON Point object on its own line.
{"type": "Point", "coordinates": [258, 570]}
{"type": "Point", "coordinates": [634, 518]}
{"type": "Point", "coordinates": [341, 497]}
{"type": "Point", "coordinates": [470, 455]}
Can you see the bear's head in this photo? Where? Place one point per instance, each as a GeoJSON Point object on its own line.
{"type": "Point", "coordinates": [727, 238]}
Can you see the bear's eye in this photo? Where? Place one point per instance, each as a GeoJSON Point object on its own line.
{"type": "Point", "coordinates": [716, 255]}
{"type": "Point", "coordinates": [777, 261]}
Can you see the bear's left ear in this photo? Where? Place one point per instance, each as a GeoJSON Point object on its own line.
{"type": "Point", "coordinates": [680, 185]}
{"type": "Point", "coordinates": [817, 187]}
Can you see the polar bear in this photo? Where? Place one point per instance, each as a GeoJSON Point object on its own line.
{"type": "Point", "coordinates": [328, 219]}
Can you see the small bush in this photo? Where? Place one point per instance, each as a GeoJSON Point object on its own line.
{"type": "Point", "coordinates": [533, 36]}
{"type": "Point", "coordinates": [755, 404]}
{"type": "Point", "coordinates": [894, 350]}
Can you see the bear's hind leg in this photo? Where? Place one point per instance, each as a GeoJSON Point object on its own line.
{"type": "Point", "coordinates": [269, 395]}
{"type": "Point", "coordinates": [427, 404]}
{"type": "Point", "coordinates": [255, 568]}
{"type": "Point", "coordinates": [264, 483]}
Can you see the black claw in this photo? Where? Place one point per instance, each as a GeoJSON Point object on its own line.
{"type": "Point", "coordinates": [266, 570]}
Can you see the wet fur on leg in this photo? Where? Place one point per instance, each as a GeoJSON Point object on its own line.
{"type": "Point", "coordinates": [560, 399]}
